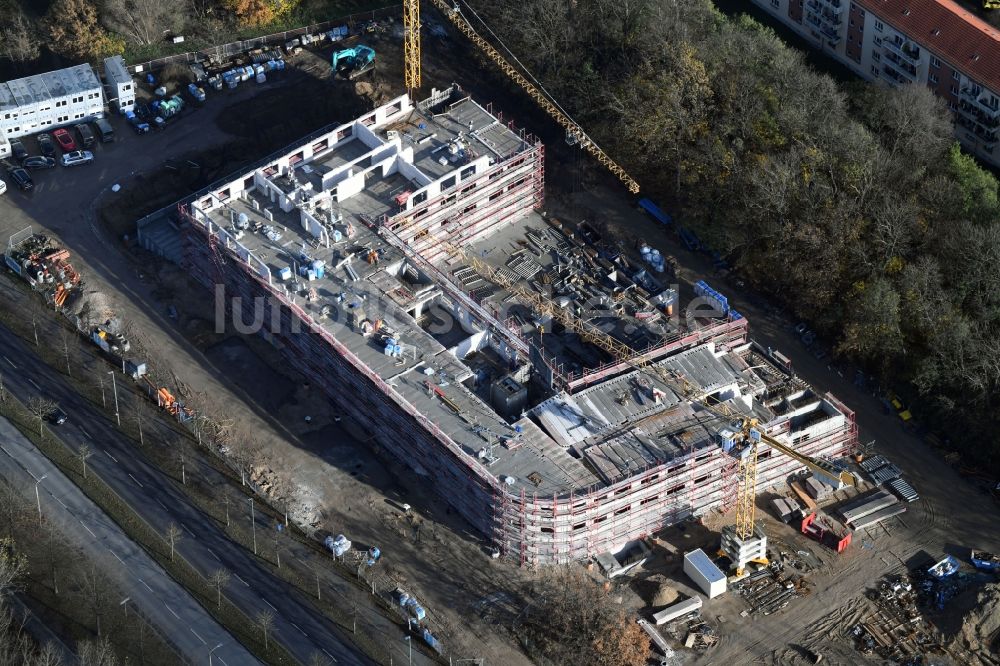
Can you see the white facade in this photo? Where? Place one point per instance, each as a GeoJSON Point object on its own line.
{"type": "Point", "coordinates": [876, 49]}
{"type": "Point", "coordinates": [44, 101]}
{"type": "Point", "coordinates": [121, 87]}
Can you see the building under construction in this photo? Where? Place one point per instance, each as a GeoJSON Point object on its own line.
{"type": "Point", "coordinates": [399, 262]}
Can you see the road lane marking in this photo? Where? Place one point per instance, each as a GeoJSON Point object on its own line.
{"type": "Point", "coordinates": [112, 457]}
{"type": "Point", "coordinates": [171, 610]}
{"type": "Point", "coordinates": [241, 580]}
{"type": "Point", "coordinates": [146, 584]}
{"type": "Point", "coordinates": [87, 528]}
{"type": "Point", "coordinates": [330, 656]}
{"type": "Point", "coordinates": [87, 434]}
{"type": "Point", "coordinates": [158, 501]}
{"type": "Point", "coordinates": [214, 555]}
{"type": "Point", "coordinates": [135, 479]}
{"type": "Point", "coordinates": [199, 637]}
{"type": "Point", "coordinates": [116, 556]}
{"type": "Point", "coordinates": [10, 361]}
{"type": "Point", "coordinates": [32, 382]}
{"type": "Point", "coordinates": [61, 502]}
{"type": "Point", "coordinates": [222, 661]}
{"type": "Point", "coordinates": [300, 630]}
{"type": "Point", "coordinates": [187, 530]}
{"type": "Point", "coordinates": [268, 603]}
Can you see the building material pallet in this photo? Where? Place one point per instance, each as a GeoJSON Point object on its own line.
{"type": "Point", "coordinates": [904, 490]}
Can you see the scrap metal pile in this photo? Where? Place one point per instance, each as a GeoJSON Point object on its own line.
{"type": "Point", "coordinates": [895, 630]}
{"type": "Point", "coordinates": [767, 591]}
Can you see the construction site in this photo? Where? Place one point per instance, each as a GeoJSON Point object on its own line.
{"type": "Point", "coordinates": [550, 387]}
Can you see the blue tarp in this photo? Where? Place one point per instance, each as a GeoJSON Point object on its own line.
{"type": "Point", "coordinates": [654, 210]}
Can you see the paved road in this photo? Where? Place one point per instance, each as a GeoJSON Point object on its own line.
{"type": "Point", "coordinates": [182, 621]}
{"type": "Point", "coordinates": [253, 588]}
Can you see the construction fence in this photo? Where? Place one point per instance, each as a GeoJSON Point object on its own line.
{"type": "Point", "coordinates": [225, 51]}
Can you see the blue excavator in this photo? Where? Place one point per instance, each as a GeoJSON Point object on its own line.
{"type": "Point", "coordinates": [353, 62]}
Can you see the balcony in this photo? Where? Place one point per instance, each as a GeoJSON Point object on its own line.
{"type": "Point", "coordinates": [813, 19]}
{"type": "Point", "coordinates": [974, 114]}
{"type": "Point", "coordinates": [902, 66]}
{"type": "Point", "coordinates": [834, 4]}
{"type": "Point", "coordinates": [831, 34]}
{"type": "Point", "coordinates": [893, 75]}
{"type": "Point", "coordinates": [814, 6]}
{"type": "Point", "coordinates": [978, 99]}
{"type": "Point", "coordinates": [905, 50]}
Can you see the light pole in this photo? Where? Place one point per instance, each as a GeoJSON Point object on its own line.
{"type": "Point", "coordinates": [124, 604]}
{"type": "Point", "coordinates": [114, 387]}
{"type": "Point", "coordinates": [38, 500]}
{"type": "Point", "coordinates": [410, 654]}
{"type": "Point", "coordinates": [210, 653]}
{"type": "Point", "coordinates": [253, 527]}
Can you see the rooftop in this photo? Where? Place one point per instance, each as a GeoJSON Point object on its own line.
{"type": "Point", "coordinates": [309, 226]}
{"type": "Point", "coordinates": [50, 85]}
{"type": "Point", "coordinates": [954, 34]}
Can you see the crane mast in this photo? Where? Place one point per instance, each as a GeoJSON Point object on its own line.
{"type": "Point", "coordinates": [411, 44]}
{"type": "Point", "coordinates": [411, 71]}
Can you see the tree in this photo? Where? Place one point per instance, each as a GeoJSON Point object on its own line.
{"type": "Point", "coordinates": [219, 579]}
{"type": "Point", "coordinates": [97, 653]}
{"type": "Point", "coordinates": [257, 13]}
{"type": "Point", "coordinates": [85, 453]}
{"type": "Point", "coordinates": [20, 39]}
{"type": "Point", "coordinates": [173, 535]}
{"type": "Point", "coordinates": [74, 31]}
{"type": "Point", "coordinates": [68, 340]}
{"type": "Point", "coordinates": [572, 621]}
{"type": "Point", "coordinates": [140, 409]}
{"type": "Point", "coordinates": [13, 567]}
{"type": "Point", "coordinates": [144, 21]}
{"type": "Point", "coordinates": [40, 408]}
{"type": "Point", "coordinates": [265, 620]}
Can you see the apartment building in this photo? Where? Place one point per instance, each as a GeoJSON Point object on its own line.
{"type": "Point", "coordinates": [931, 42]}
{"type": "Point", "coordinates": [43, 101]}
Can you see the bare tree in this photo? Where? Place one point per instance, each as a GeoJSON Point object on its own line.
{"type": "Point", "coordinates": [97, 653]}
{"type": "Point", "coordinates": [19, 38]}
{"type": "Point", "coordinates": [13, 566]}
{"type": "Point", "coordinates": [219, 579]}
{"type": "Point", "coordinates": [49, 655]}
{"type": "Point", "coordinates": [317, 659]}
{"type": "Point", "coordinates": [265, 620]}
{"type": "Point", "coordinates": [173, 535]}
{"type": "Point", "coordinates": [84, 452]}
{"type": "Point", "coordinates": [139, 412]}
{"type": "Point", "coordinates": [68, 340]}
{"type": "Point", "coordinates": [93, 586]}
{"type": "Point", "coordinates": [13, 507]}
{"type": "Point", "coordinates": [40, 408]}
{"type": "Point", "coordinates": [144, 21]}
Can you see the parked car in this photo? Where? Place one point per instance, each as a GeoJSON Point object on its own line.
{"type": "Point", "coordinates": [57, 416]}
{"type": "Point", "coordinates": [3, 187]}
{"type": "Point", "coordinates": [22, 179]}
{"type": "Point", "coordinates": [87, 138]}
{"type": "Point", "coordinates": [104, 130]}
{"type": "Point", "coordinates": [45, 145]}
{"type": "Point", "coordinates": [38, 162]}
{"type": "Point", "coordinates": [65, 139]}
{"type": "Point", "coordinates": [18, 150]}
{"type": "Point", "coordinates": [77, 157]}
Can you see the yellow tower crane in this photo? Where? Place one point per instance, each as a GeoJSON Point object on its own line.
{"type": "Point", "coordinates": [411, 53]}
{"type": "Point", "coordinates": [411, 44]}
{"type": "Point", "coordinates": [740, 440]}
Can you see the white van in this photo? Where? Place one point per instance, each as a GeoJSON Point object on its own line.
{"type": "Point", "coordinates": [3, 187]}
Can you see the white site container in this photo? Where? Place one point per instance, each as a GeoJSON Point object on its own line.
{"type": "Point", "coordinates": [704, 573]}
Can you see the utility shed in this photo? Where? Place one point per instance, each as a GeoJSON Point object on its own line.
{"type": "Point", "coordinates": [703, 571]}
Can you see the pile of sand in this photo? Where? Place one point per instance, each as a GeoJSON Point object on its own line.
{"type": "Point", "coordinates": [979, 633]}
{"type": "Point", "coordinates": [656, 591]}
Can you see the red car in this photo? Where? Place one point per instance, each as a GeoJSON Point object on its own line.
{"type": "Point", "coordinates": [65, 140]}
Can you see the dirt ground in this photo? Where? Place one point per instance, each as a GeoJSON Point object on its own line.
{"type": "Point", "coordinates": [952, 515]}
{"type": "Point", "coordinates": [353, 490]}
